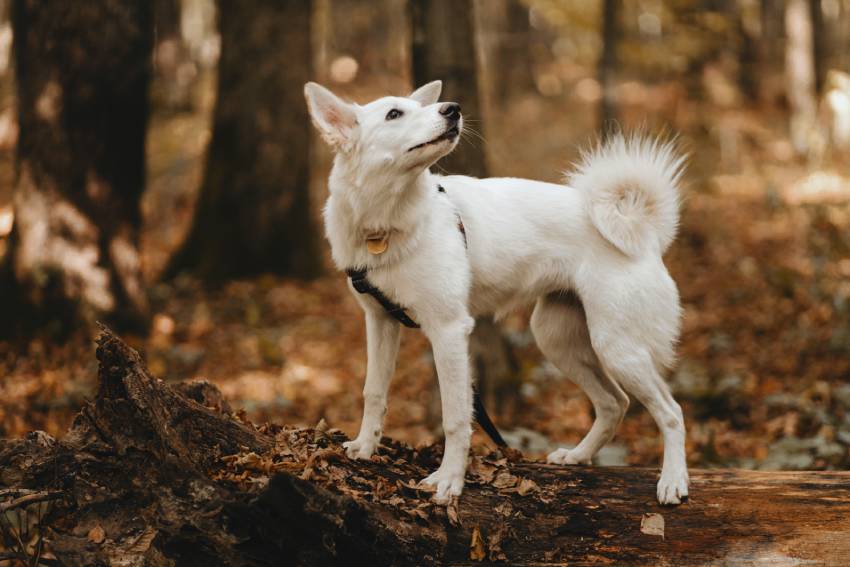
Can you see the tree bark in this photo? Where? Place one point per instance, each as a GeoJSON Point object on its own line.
{"type": "Point", "coordinates": [82, 82]}
{"type": "Point", "coordinates": [155, 476]}
{"type": "Point", "coordinates": [253, 213]}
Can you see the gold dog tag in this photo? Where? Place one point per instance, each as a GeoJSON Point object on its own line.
{"type": "Point", "coordinates": [377, 243]}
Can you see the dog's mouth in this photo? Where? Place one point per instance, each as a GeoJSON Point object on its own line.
{"type": "Point", "coordinates": [449, 134]}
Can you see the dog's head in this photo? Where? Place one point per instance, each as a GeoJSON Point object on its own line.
{"type": "Point", "coordinates": [391, 133]}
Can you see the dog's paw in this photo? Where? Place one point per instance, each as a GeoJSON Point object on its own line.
{"type": "Point", "coordinates": [360, 449]}
{"type": "Point", "coordinates": [446, 483]}
{"type": "Point", "coordinates": [566, 457]}
{"type": "Point", "coordinates": [673, 487]}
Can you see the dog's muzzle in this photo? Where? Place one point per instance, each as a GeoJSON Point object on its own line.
{"type": "Point", "coordinates": [451, 111]}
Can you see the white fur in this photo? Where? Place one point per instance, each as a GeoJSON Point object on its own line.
{"type": "Point", "coordinates": [589, 256]}
{"type": "Point", "coordinates": [631, 189]}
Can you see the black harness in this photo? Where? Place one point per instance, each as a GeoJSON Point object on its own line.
{"type": "Point", "coordinates": [362, 285]}
{"type": "Point", "coordinates": [394, 310]}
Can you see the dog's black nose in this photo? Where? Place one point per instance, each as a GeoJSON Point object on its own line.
{"type": "Point", "coordinates": [451, 110]}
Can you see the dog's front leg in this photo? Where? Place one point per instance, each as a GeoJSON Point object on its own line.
{"type": "Point", "coordinates": [382, 339]}
{"type": "Point", "coordinates": [451, 355]}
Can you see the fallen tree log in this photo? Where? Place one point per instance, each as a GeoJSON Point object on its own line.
{"type": "Point", "coordinates": [154, 475]}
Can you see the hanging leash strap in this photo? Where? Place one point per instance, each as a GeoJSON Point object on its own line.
{"type": "Point", "coordinates": [361, 284]}
{"type": "Point", "coordinates": [484, 420]}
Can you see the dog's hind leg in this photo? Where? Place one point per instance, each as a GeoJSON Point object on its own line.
{"type": "Point", "coordinates": [560, 329]}
{"type": "Point", "coordinates": [627, 360]}
{"type": "Point", "coordinates": [637, 373]}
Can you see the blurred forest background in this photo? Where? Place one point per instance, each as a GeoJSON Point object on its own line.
{"type": "Point", "coordinates": [158, 172]}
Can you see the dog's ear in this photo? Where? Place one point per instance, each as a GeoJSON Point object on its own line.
{"type": "Point", "coordinates": [334, 118]}
{"type": "Point", "coordinates": [427, 94]}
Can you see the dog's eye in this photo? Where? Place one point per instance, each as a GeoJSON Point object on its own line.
{"type": "Point", "coordinates": [394, 113]}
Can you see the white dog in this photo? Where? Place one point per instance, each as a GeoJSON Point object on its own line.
{"type": "Point", "coordinates": [587, 253]}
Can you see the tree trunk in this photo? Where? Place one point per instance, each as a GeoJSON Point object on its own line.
{"type": "Point", "coordinates": [770, 53]}
{"type": "Point", "coordinates": [509, 49]}
{"type": "Point", "coordinates": [372, 33]}
{"type": "Point", "coordinates": [148, 475]}
{"type": "Point", "coordinates": [253, 212]}
{"type": "Point", "coordinates": [495, 366]}
{"type": "Point", "coordinates": [444, 48]}
{"type": "Point", "coordinates": [607, 66]}
{"type": "Point", "coordinates": [800, 73]}
{"type": "Point", "coordinates": [82, 83]}
{"type": "Point", "coordinates": [174, 70]}
{"type": "Point", "coordinates": [844, 36]}
{"type": "Point", "coordinates": [820, 39]}
{"type": "Point", "coordinates": [747, 53]}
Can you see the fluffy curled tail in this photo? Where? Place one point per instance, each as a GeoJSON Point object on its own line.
{"type": "Point", "coordinates": [631, 189]}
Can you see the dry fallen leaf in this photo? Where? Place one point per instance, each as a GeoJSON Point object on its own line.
{"type": "Point", "coordinates": [494, 543]}
{"type": "Point", "coordinates": [526, 486]}
{"type": "Point", "coordinates": [451, 511]}
{"type": "Point", "coordinates": [512, 455]}
{"type": "Point", "coordinates": [419, 513]}
{"type": "Point", "coordinates": [143, 542]}
{"type": "Point", "coordinates": [504, 480]}
{"type": "Point", "coordinates": [420, 486]}
{"type": "Point", "coordinates": [482, 471]}
{"type": "Point", "coordinates": [477, 551]}
{"type": "Point", "coordinates": [505, 508]}
{"type": "Point", "coordinates": [339, 474]}
{"type": "Point", "coordinates": [97, 535]}
{"type": "Point", "coordinates": [652, 524]}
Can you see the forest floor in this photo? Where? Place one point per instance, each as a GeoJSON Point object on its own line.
{"type": "Point", "coordinates": [762, 263]}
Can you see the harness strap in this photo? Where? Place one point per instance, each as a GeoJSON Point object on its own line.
{"type": "Point", "coordinates": [362, 285]}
